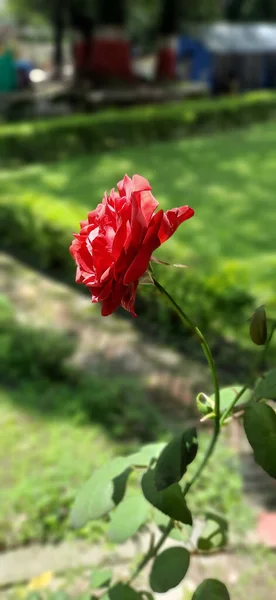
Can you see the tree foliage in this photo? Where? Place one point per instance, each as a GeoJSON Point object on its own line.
{"type": "Point", "coordinates": [251, 10]}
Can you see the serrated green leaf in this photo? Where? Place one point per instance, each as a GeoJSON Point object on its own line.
{"type": "Point", "coordinates": [127, 519]}
{"type": "Point", "coordinates": [104, 490]}
{"type": "Point", "coordinates": [169, 569]}
{"type": "Point", "coordinates": [169, 501]}
{"type": "Point", "coordinates": [175, 458]}
{"type": "Point", "coordinates": [214, 534]}
{"type": "Point", "coordinates": [228, 394]}
{"type": "Point", "coordinates": [211, 589]}
{"type": "Point", "coordinates": [260, 429]}
{"type": "Point", "coordinates": [266, 388]}
{"type": "Point", "coordinates": [123, 591]}
{"type": "Point", "coordinates": [100, 578]}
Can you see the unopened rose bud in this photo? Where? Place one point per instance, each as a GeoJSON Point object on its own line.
{"type": "Point", "coordinates": [258, 327]}
{"type": "Point", "coordinates": [204, 404]}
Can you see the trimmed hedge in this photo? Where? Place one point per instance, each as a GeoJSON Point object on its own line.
{"type": "Point", "coordinates": [59, 138]}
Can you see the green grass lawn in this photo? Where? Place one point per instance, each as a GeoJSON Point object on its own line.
{"type": "Point", "coordinates": [42, 464]}
{"type": "Point", "coordinates": [44, 461]}
{"type": "Point", "coordinates": [229, 179]}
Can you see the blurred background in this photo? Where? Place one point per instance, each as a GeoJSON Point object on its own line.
{"type": "Point", "coordinates": [181, 92]}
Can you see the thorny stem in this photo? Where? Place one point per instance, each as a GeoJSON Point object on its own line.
{"type": "Point", "coordinates": [207, 352]}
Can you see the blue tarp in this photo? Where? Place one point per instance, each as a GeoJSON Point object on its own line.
{"type": "Point", "coordinates": [200, 58]}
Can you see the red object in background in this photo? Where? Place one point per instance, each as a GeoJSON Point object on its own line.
{"type": "Point", "coordinates": [111, 57]}
{"type": "Point", "coordinates": [266, 530]}
{"type": "Point", "coordinates": [82, 52]}
{"type": "Point", "coordinates": [104, 58]}
{"type": "Point", "coordinates": [166, 63]}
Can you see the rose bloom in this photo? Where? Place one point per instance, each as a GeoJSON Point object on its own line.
{"type": "Point", "coordinates": [115, 244]}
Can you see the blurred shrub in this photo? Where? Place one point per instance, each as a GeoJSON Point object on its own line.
{"type": "Point", "coordinates": [37, 362]}
{"type": "Point", "coordinates": [62, 137]}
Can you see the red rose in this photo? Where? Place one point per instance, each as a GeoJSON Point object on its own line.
{"type": "Point", "coordinates": [116, 242]}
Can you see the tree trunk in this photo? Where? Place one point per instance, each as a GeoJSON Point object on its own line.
{"type": "Point", "coordinates": [58, 25]}
{"type": "Point", "coordinates": [111, 12]}
{"type": "Point", "coordinates": [168, 29]}
{"type": "Point", "coordinates": [111, 49]}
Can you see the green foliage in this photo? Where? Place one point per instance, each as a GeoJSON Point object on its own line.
{"type": "Point", "coordinates": [100, 578]}
{"type": "Point", "coordinates": [120, 591]}
{"type": "Point", "coordinates": [211, 589]}
{"type": "Point", "coordinates": [147, 454]}
{"type": "Point", "coordinates": [175, 458]}
{"type": "Point", "coordinates": [58, 138]}
{"type": "Point", "coordinates": [220, 487]}
{"type": "Point", "coordinates": [251, 10]}
{"type": "Point", "coordinates": [169, 501]}
{"type": "Point", "coordinates": [169, 568]}
{"type": "Point", "coordinates": [60, 454]}
{"type": "Point", "coordinates": [104, 490]}
{"type": "Point", "coordinates": [214, 534]}
{"type": "Point", "coordinates": [201, 10]}
{"type": "Point", "coordinates": [127, 519]}
{"type": "Point", "coordinates": [260, 428]}
{"type": "Point", "coordinates": [266, 387]}
{"type": "Point", "coordinates": [51, 405]}
{"type": "Point", "coordinates": [227, 396]}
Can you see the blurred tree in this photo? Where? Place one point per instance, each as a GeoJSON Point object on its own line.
{"type": "Point", "coordinates": [111, 49]}
{"type": "Point", "coordinates": [169, 20]}
{"type": "Point", "coordinates": [251, 10]}
{"type": "Point", "coordinates": [201, 10]}
{"type": "Point", "coordinates": [58, 13]}
{"type": "Point", "coordinates": [110, 12]}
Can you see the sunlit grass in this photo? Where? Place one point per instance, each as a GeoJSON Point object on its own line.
{"type": "Point", "coordinates": [229, 179]}
{"type": "Point", "coordinates": [42, 464]}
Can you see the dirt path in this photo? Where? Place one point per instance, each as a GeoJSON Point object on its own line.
{"type": "Point", "coordinates": [113, 341]}
{"type": "Point", "coordinates": [69, 566]}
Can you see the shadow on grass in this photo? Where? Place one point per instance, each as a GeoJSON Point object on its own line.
{"type": "Point", "coordinates": [37, 370]}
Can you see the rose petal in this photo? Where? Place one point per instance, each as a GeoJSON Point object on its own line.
{"type": "Point", "coordinates": [140, 184]}
{"type": "Point", "coordinates": [115, 243]}
{"type": "Point", "coordinates": [128, 299]}
{"type": "Point", "coordinates": [171, 221]}
{"type": "Point", "coordinates": [141, 261]}
{"type": "Point", "coordinates": [111, 303]}
{"type": "Point", "coordinates": [148, 205]}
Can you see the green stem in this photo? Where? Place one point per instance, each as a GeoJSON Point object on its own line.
{"type": "Point", "coordinates": [228, 410]}
{"type": "Point", "coordinates": [204, 345]}
{"type": "Point", "coordinates": [261, 358]}
{"type": "Point", "coordinates": [207, 352]}
{"type": "Point", "coordinates": [153, 552]}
